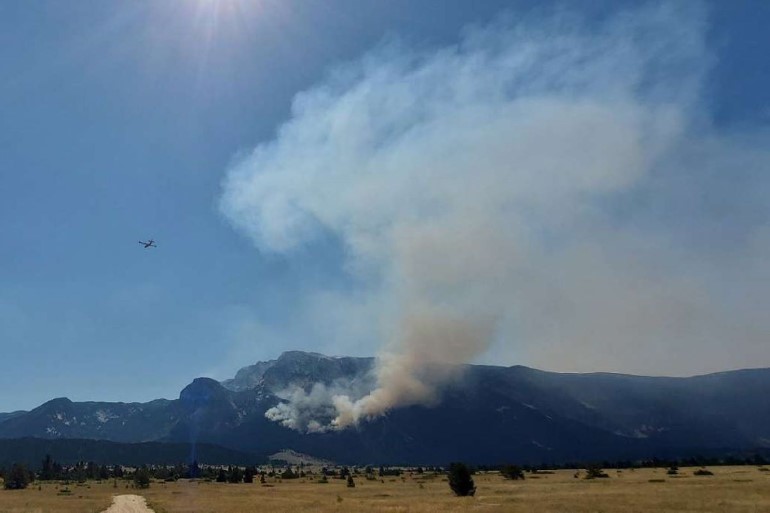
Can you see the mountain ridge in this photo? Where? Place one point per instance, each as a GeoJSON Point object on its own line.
{"type": "Point", "coordinates": [524, 414]}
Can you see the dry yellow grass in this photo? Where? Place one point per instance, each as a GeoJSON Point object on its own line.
{"type": "Point", "coordinates": [44, 497]}
{"type": "Point", "coordinates": [731, 489]}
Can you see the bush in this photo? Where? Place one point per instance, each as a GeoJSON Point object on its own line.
{"type": "Point", "coordinates": [512, 472]}
{"type": "Point", "coordinates": [234, 475]}
{"type": "Point", "coordinates": [351, 483]}
{"type": "Point", "coordinates": [18, 478]}
{"type": "Point", "coordinates": [460, 480]}
{"type": "Point", "coordinates": [703, 472]}
{"type": "Point", "coordinates": [595, 472]}
{"type": "Point", "coordinates": [142, 478]}
{"type": "Point", "coordinates": [672, 470]}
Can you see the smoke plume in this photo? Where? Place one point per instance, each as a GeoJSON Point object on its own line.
{"type": "Point", "coordinates": [531, 186]}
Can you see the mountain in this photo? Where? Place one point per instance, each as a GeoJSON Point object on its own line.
{"type": "Point", "coordinates": [6, 416]}
{"type": "Point", "coordinates": [119, 422]}
{"type": "Point", "coordinates": [488, 415]}
{"type": "Point", "coordinates": [302, 369]}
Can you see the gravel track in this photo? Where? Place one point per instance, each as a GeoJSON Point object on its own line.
{"type": "Point", "coordinates": [128, 504]}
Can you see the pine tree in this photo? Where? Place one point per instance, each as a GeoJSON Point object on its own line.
{"type": "Point", "coordinates": [142, 478]}
{"type": "Point", "coordinates": [235, 475]}
{"type": "Point", "coordinates": [460, 480]}
{"type": "Point", "coordinates": [92, 470]}
{"type": "Point", "coordinates": [18, 477]}
{"type": "Point", "coordinates": [79, 472]}
{"type": "Point", "coordinates": [46, 473]}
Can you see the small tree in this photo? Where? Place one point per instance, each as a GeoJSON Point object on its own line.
{"type": "Point", "coordinates": [460, 480]}
{"type": "Point", "coordinates": [18, 477]}
{"type": "Point", "coordinates": [46, 472]}
{"type": "Point", "coordinates": [79, 472]}
{"type": "Point", "coordinates": [512, 472]}
{"type": "Point", "coordinates": [235, 475]}
{"type": "Point", "coordinates": [594, 471]}
{"type": "Point", "coordinates": [351, 483]}
{"type": "Point", "coordinates": [142, 478]}
{"type": "Point", "coordinates": [92, 470]}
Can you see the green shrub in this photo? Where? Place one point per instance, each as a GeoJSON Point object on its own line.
{"type": "Point", "coordinates": [142, 478]}
{"type": "Point", "coordinates": [18, 477]}
{"type": "Point", "coordinates": [595, 472]}
{"type": "Point", "coordinates": [512, 472]}
{"type": "Point", "coordinates": [460, 480]}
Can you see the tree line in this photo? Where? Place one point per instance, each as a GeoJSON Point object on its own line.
{"type": "Point", "coordinates": [17, 476]}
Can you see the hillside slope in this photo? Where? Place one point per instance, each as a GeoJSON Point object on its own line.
{"type": "Point", "coordinates": [489, 415]}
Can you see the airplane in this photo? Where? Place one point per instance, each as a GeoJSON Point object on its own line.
{"type": "Point", "coordinates": [149, 244]}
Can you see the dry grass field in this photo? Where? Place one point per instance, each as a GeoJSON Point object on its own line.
{"type": "Point", "coordinates": [731, 489]}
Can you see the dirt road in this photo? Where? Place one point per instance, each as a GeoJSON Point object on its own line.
{"type": "Point", "coordinates": [128, 504]}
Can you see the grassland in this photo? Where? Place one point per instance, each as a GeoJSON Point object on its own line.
{"type": "Point", "coordinates": [730, 489]}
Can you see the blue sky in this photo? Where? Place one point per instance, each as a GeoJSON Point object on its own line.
{"type": "Point", "coordinates": [120, 122]}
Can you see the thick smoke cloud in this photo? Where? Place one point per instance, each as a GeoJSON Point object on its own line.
{"type": "Point", "coordinates": [538, 185]}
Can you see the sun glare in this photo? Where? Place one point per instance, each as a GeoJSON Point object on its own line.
{"type": "Point", "coordinates": [208, 9]}
{"type": "Point", "coordinates": [217, 24]}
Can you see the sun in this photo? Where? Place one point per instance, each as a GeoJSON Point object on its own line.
{"type": "Point", "coordinates": [217, 22]}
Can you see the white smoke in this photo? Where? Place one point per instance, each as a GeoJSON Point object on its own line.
{"type": "Point", "coordinates": [489, 191]}
{"type": "Point", "coordinates": [302, 410]}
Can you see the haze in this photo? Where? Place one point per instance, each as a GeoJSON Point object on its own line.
{"type": "Point", "coordinates": [574, 190]}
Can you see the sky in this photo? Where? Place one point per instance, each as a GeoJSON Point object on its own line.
{"type": "Point", "coordinates": [276, 151]}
